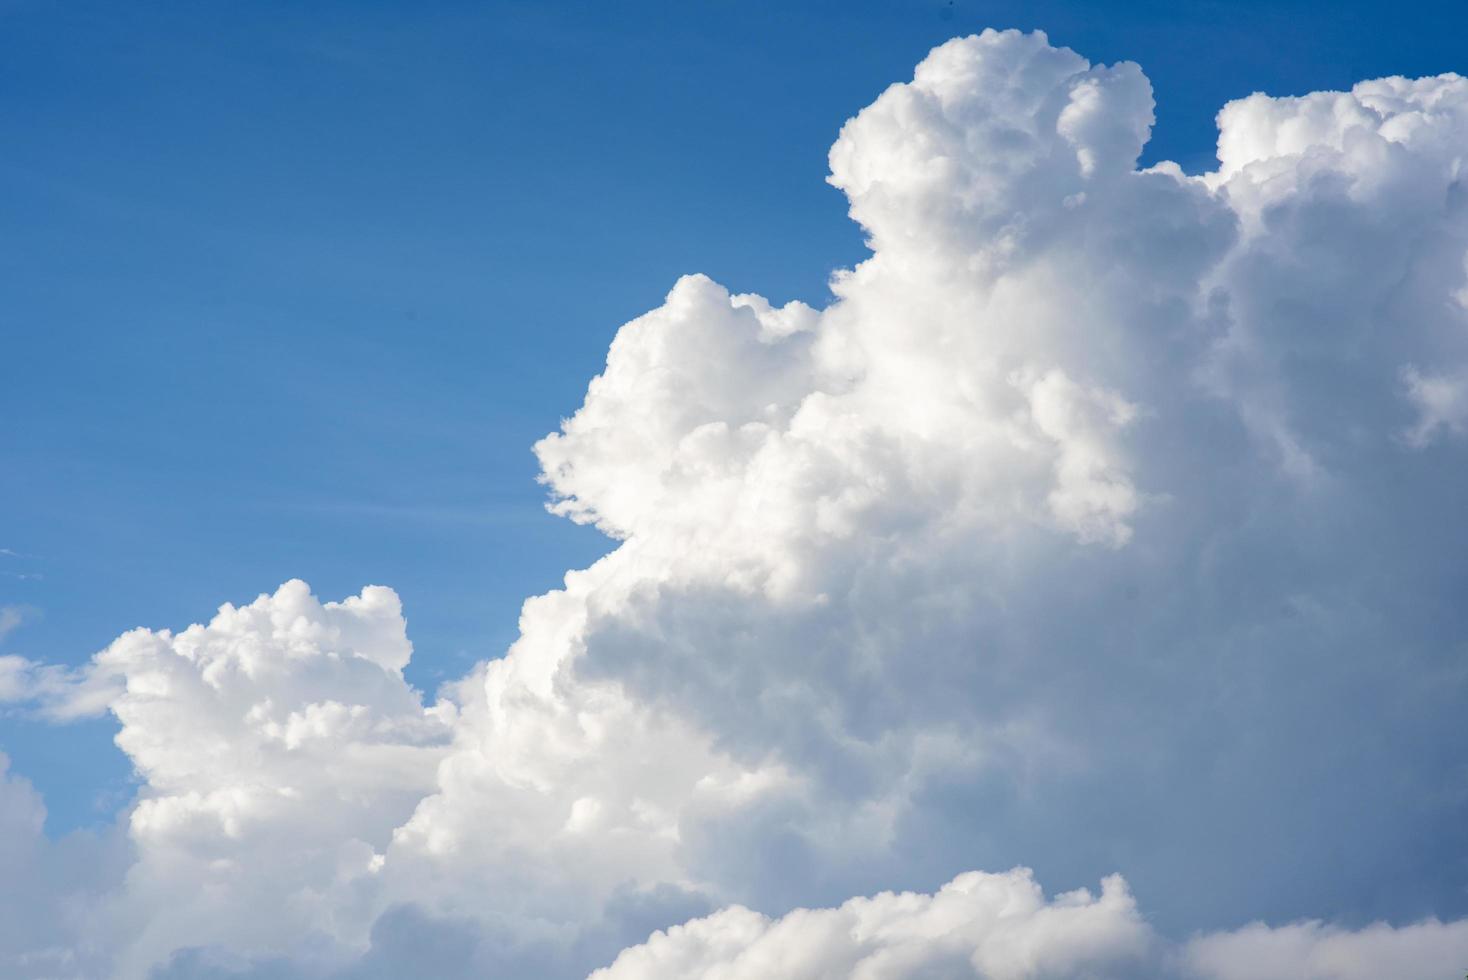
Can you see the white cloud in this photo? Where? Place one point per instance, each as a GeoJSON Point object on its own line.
{"type": "Point", "coordinates": [1316, 951]}
{"type": "Point", "coordinates": [53, 691]}
{"type": "Point", "coordinates": [279, 746]}
{"type": "Point", "coordinates": [1000, 927]}
{"type": "Point", "coordinates": [1086, 528]}
{"type": "Point", "coordinates": [995, 926]}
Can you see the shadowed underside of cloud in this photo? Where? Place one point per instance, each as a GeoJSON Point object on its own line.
{"type": "Point", "coordinates": [1107, 519]}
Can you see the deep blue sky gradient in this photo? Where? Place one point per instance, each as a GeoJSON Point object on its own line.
{"type": "Point", "coordinates": [289, 289]}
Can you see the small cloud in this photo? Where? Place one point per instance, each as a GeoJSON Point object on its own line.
{"type": "Point", "coordinates": [10, 618]}
{"type": "Point", "coordinates": [56, 693]}
{"type": "Point", "coordinates": [1442, 405]}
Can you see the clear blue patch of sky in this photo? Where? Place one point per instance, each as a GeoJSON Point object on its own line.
{"type": "Point", "coordinates": [289, 289]}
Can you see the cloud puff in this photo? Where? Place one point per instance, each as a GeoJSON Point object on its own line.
{"type": "Point", "coordinates": [996, 926]}
{"type": "Point", "coordinates": [278, 746]}
{"type": "Point", "coordinates": [1106, 519]}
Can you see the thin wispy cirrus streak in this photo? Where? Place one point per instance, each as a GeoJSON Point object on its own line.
{"type": "Point", "coordinates": [1106, 523]}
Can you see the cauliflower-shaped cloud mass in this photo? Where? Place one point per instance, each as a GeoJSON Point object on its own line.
{"type": "Point", "coordinates": [1106, 520]}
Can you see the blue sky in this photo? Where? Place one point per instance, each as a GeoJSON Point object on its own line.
{"type": "Point", "coordinates": [291, 288]}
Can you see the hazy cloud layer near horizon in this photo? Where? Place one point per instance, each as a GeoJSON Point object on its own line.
{"type": "Point", "coordinates": [1107, 523]}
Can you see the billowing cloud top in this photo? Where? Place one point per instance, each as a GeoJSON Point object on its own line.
{"type": "Point", "coordinates": [1107, 520]}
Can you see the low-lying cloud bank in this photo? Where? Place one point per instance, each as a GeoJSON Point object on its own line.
{"type": "Point", "coordinates": [999, 927]}
{"type": "Point", "coordinates": [1107, 519]}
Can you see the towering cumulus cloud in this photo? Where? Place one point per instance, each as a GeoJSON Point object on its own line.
{"type": "Point", "coordinates": [1108, 520]}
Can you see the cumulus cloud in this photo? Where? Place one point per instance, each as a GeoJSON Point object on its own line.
{"type": "Point", "coordinates": [278, 747]}
{"type": "Point", "coordinates": [1106, 519]}
{"type": "Point", "coordinates": [996, 926]}
{"type": "Point", "coordinates": [1000, 927]}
